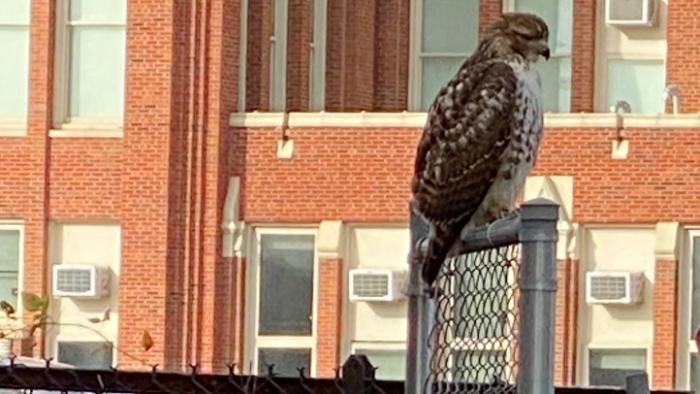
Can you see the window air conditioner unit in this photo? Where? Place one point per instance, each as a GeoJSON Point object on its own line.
{"type": "Point", "coordinates": [376, 285]}
{"type": "Point", "coordinates": [604, 287]}
{"type": "Point", "coordinates": [630, 12]}
{"type": "Point", "coordinates": [80, 281]}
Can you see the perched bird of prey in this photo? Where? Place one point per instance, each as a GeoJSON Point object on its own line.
{"type": "Point", "coordinates": [481, 137]}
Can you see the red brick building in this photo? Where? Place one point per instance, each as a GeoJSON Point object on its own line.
{"type": "Point", "coordinates": [229, 162]}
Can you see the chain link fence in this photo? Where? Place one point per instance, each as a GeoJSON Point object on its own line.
{"type": "Point", "coordinates": [474, 336]}
{"type": "Point", "coordinates": [465, 332]}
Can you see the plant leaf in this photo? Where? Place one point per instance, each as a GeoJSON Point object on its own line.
{"type": "Point", "coordinates": [146, 341]}
{"type": "Point", "coordinates": [35, 303]}
{"type": "Point", "coordinates": [94, 320]}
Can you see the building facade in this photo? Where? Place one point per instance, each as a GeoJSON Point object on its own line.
{"type": "Point", "coordinates": [228, 162]}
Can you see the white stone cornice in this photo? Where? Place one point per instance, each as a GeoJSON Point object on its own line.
{"type": "Point", "coordinates": [405, 119]}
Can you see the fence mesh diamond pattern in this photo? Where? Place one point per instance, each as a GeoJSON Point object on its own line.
{"type": "Point", "coordinates": [474, 337]}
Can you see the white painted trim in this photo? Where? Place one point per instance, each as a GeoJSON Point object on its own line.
{"type": "Point", "coordinates": [279, 38]}
{"type": "Point", "coordinates": [414, 66]}
{"type": "Point", "coordinates": [418, 119]}
{"type": "Point", "coordinates": [19, 226]}
{"type": "Point", "coordinates": [11, 132]}
{"type": "Point", "coordinates": [317, 64]}
{"type": "Point", "coordinates": [684, 345]}
{"type": "Point", "coordinates": [86, 133]}
{"type": "Point", "coordinates": [243, 57]}
{"type": "Point", "coordinates": [253, 341]}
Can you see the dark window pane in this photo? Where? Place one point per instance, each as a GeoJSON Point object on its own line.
{"type": "Point", "coordinates": [286, 284]}
{"type": "Point", "coordinates": [286, 361]}
{"type": "Point", "coordinates": [695, 294]}
{"type": "Point", "coordinates": [610, 367]}
{"type": "Point", "coordinates": [91, 355]}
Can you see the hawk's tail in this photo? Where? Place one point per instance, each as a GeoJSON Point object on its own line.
{"type": "Point", "coordinates": [445, 234]}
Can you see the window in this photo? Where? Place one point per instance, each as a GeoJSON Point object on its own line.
{"type": "Point", "coordinates": [10, 262]}
{"type": "Point", "coordinates": [437, 55]}
{"type": "Point", "coordinates": [14, 63]}
{"type": "Point", "coordinates": [555, 73]}
{"type": "Point", "coordinates": [278, 57]}
{"type": "Point", "coordinates": [283, 300]}
{"type": "Point", "coordinates": [90, 355]}
{"type": "Point", "coordinates": [630, 64]}
{"type": "Point", "coordinates": [391, 363]}
{"type": "Point", "coordinates": [610, 367]}
{"type": "Point", "coordinates": [639, 82]}
{"type": "Point", "coordinates": [91, 53]}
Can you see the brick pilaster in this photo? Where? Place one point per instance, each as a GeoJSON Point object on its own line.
{"type": "Point", "coordinates": [489, 11]}
{"type": "Point", "coordinates": [300, 28]}
{"type": "Point", "coordinates": [350, 55]}
{"type": "Point", "coordinates": [566, 321]}
{"type": "Point", "coordinates": [665, 324]}
{"type": "Point", "coordinates": [665, 306]}
{"type": "Point", "coordinates": [330, 276]}
{"type": "Point", "coordinates": [682, 36]}
{"type": "Point", "coordinates": [583, 56]}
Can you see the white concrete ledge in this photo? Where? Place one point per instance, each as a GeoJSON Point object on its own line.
{"type": "Point", "coordinates": [86, 134]}
{"type": "Point", "coordinates": [13, 132]}
{"type": "Point", "coordinates": [417, 120]}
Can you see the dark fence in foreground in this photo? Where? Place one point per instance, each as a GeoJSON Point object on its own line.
{"type": "Point", "coordinates": [355, 377]}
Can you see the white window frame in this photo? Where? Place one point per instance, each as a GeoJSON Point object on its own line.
{"type": "Point", "coordinates": [254, 341]}
{"type": "Point", "coordinates": [376, 345]}
{"type": "Point", "coordinates": [602, 57]}
{"type": "Point", "coordinates": [17, 126]}
{"type": "Point", "coordinates": [64, 126]}
{"type": "Point", "coordinates": [278, 54]}
{"type": "Point", "coordinates": [686, 347]}
{"type": "Point", "coordinates": [586, 366]}
{"type": "Point", "coordinates": [69, 338]}
{"type": "Point", "coordinates": [243, 57]}
{"type": "Point", "coordinates": [12, 225]}
{"type": "Point", "coordinates": [417, 55]}
{"type": "Point", "coordinates": [317, 57]}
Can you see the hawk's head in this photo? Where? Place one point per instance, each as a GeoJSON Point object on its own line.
{"type": "Point", "coordinates": [526, 35]}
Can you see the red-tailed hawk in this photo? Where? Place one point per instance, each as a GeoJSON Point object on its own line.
{"type": "Point", "coordinates": [482, 135]}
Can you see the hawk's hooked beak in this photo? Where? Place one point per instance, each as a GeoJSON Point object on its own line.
{"type": "Point", "coordinates": [545, 52]}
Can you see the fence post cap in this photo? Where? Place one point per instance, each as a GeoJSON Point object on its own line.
{"type": "Point", "coordinates": [540, 209]}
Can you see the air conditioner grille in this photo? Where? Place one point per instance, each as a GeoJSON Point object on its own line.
{"type": "Point", "coordinates": [608, 288]}
{"type": "Point", "coordinates": [73, 280]}
{"type": "Point", "coordinates": [370, 285]}
{"type": "Point", "coordinates": [626, 10]}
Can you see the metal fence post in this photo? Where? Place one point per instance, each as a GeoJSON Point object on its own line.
{"type": "Point", "coordinates": [420, 314]}
{"type": "Point", "coordinates": [538, 284]}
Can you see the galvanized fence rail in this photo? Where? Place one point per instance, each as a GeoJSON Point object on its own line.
{"type": "Point", "coordinates": [467, 333]}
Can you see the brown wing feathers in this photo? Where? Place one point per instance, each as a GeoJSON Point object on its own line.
{"type": "Point", "coordinates": [459, 153]}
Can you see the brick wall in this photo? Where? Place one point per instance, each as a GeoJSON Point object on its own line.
{"type": "Point", "coordinates": [260, 28]}
{"type": "Point", "coordinates": [391, 51]}
{"type": "Point", "coordinates": [665, 324]}
{"type": "Point", "coordinates": [328, 336]}
{"type": "Point", "coordinates": [583, 56]}
{"type": "Point", "coordinates": [300, 36]}
{"type": "Point", "coordinates": [566, 322]}
{"type": "Point", "coordinates": [489, 11]}
{"type": "Point", "coordinates": [682, 53]}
